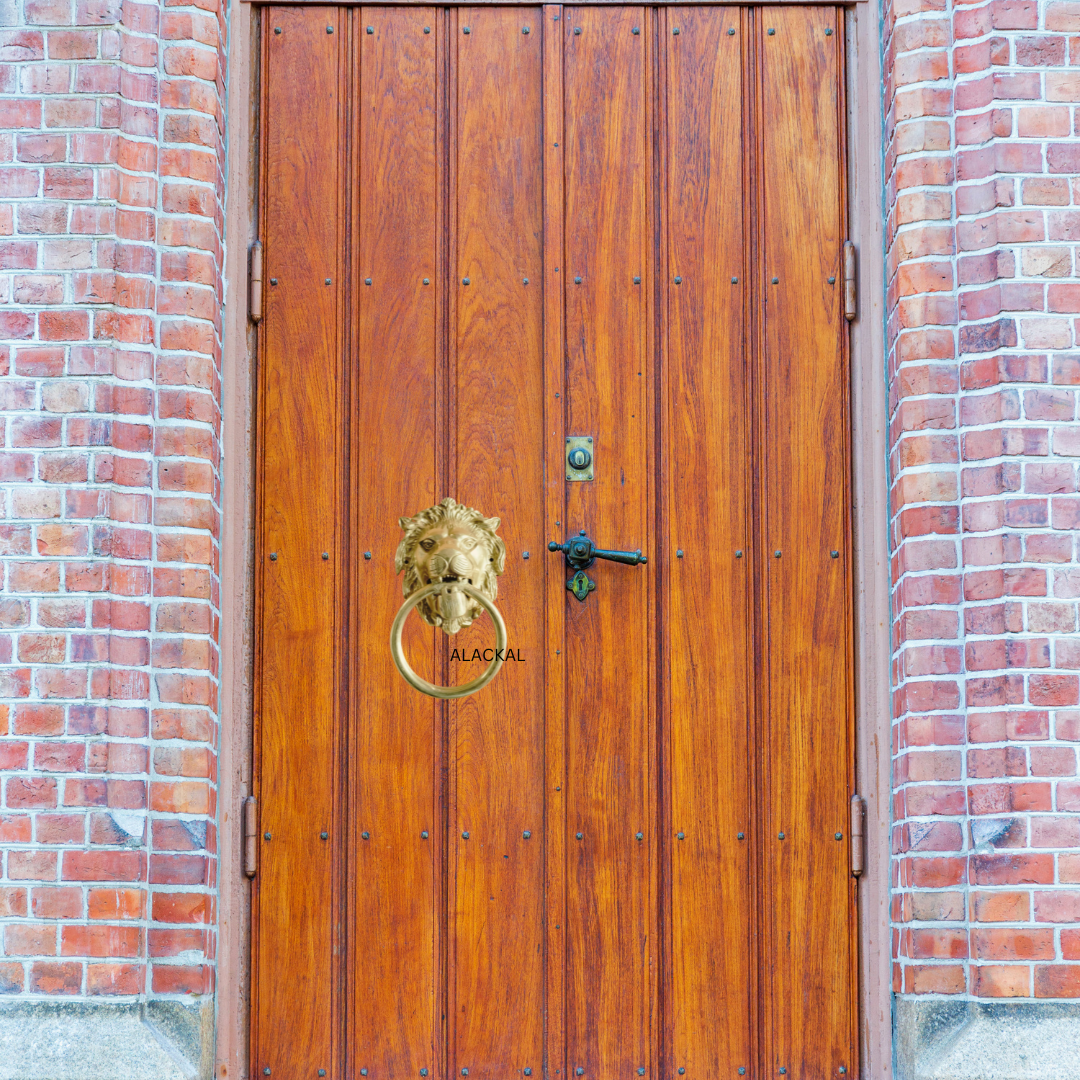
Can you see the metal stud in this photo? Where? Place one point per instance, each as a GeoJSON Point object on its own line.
{"type": "Point", "coordinates": [641, 1070]}
{"type": "Point", "coordinates": [524, 554]}
{"type": "Point", "coordinates": [322, 1072]}
{"type": "Point", "coordinates": [367, 281]}
{"type": "Point", "coordinates": [682, 1071]}
{"type": "Point", "coordinates": [273, 281]}
{"type": "Point", "coordinates": [363, 1072]}
{"type": "Point", "coordinates": [327, 281]}
{"type": "Point", "coordinates": [731, 31]}
{"type": "Point", "coordinates": [834, 554]}
{"type": "Point", "coordinates": [832, 281]}
{"type": "Point", "coordinates": [370, 30]}
{"type": "Point", "coordinates": [427, 281]}
{"type": "Point", "coordinates": [524, 281]}
{"type": "Point", "coordinates": [637, 281]}
{"type": "Point", "coordinates": [527, 1072]}
{"type": "Point", "coordinates": [326, 555]}
{"type": "Point", "coordinates": [741, 836]}
{"type": "Point", "coordinates": [678, 553]}
{"type": "Point", "coordinates": [842, 1070]}
{"type": "Point", "coordinates": [464, 281]}
{"type": "Point", "coordinates": [329, 30]}
{"type": "Point", "coordinates": [273, 556]}
{"type": "Point", "coordinates": [266, 1071]}
{"type": "Point", "coordinates": [423, 1072]}
{"type": "Point", "coordinates": [678, 280]}
{"type": "Point", "coordinates": [675, 31]}
{"type": "Point", "coordinates": [525, 30]}
{"type": "Point", "coordinates": [734, 281]}
{"type": "Point", "coordinates": [771, 31]}
{"type": "Point", "coordinates": [636, 30]}
{"type": "Point", "coordinates": [681, 836]}
{"type": "Point", "coordinates": [423, 835]}
{"type": "Point", "coordinates": [277, 29]}
{"type": "Point", "coordinates": [577, 30]}
{"type": "Point", "coordinates": [324, 836]}
{"type": "Point", "coordinates": [738, 553]}
{"type": "Point", "coordinates": [427, 29]}
{"type": "Point", "coordinates": [366, 835]}
{"type": "Point", "coordinates": [266, 836]}
{"type": "Point", "coordinates": [578, 835]}
{"type": "Point", "coordinates": [465, 30]}
{"type": "Point", "coordinates": [776, 554]}
{"type": "Point", "coordinates": [580, 1071]}
{"type": "Point", "coordinates": [828, 33]}
{"type": "Point", "coordinates": [577, 280]}
{"type": "Point", "coordinates": [776, 281]}
{"type": "Point", "coordinates": [465, 1072]}
{"type": "Point", "coordinates": [464, 836]}
{"type": "Point", "coordinates": [526, 834]}
{"type": "Point", "coordinates": [639, 836]}
{"type": "Point", "coordinates": [838, 836]}
{"type": "Point", "coordinates": [780, 835]}
{"type": "Point", "coordinates": [367, 554]}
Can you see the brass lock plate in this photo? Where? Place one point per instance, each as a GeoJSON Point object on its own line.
{"type": "Point", "coordinates": [580, 460]}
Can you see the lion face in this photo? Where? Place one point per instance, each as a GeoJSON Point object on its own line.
{"type": "Point", "coordinates": [447, 543]}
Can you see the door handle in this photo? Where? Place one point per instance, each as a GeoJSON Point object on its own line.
{"type": "Point", "coordinates": [581, 553]}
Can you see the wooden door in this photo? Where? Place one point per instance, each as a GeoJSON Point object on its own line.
{"type": "Point", "coordinates": [487, 229]}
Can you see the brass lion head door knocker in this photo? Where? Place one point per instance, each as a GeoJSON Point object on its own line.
{"type": "Point", "coordinates": [451, 559]}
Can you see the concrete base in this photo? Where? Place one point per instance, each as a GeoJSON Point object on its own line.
{"type": "Point", "coordinates": [937, 1039]}
{"type": "Point", "coordinates": [160, 1040]}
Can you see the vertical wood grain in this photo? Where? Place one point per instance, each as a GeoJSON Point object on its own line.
{"type": "Point", "coordinates": [300, 410]}
{"type": "Point", "coordinates": [498, 735]}
{"type": "Point", "coordinates": [610, 937]}
{"type": "Point", "coordinates": [397, 733]}
{"type": "Point", "coordinates": [705, 456]}
{"type": "Point", "coordinates": [554, 494]}
{"type": "Point", "coordinates": [809, 895]}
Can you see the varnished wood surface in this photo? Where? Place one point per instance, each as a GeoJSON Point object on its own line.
{"type": "Point", "coordinates": [607, 163]}
{"type": "Point", "coordinates": [707, 695]}
{"type": "Point", "coordinates": [809, 894]}
{"type": "Point", "coordinates": [707, 447]}
{"type": "Point", "coordinates": [498, 737]}
{"type": "Point", "coordinates": [300, 505]}
{"type": "Point", "coordinates": [396, 740]}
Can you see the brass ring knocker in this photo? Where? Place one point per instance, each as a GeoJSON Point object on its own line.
{"type": "Point", "coordinates": [425, 687]}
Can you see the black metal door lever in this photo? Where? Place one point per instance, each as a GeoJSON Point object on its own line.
{"type": "Point", "coordinates": [581, 553]}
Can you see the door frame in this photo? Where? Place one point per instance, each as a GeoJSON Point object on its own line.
{"type": "Point", "coordinates": [869, 527]}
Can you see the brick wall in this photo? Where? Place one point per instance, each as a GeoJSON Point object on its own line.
{"type": "Point", "coordinates": [982, 106]}
{"type": "Point", "coordinates": [111, 193]}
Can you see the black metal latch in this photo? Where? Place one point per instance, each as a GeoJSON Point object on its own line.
{"type": "Point", "coordinates": [581, 553]}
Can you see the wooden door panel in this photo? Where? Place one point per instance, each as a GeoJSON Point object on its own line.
{"type": "Point", "coordinates": [491, 228]}
{"type": "Point", "coordinates": [809, 893]}
{"type": "Point", "coordinates": [497, 737]}
{"type": "Point", "coordinates": [397, 735]}
{"type": "Point", "coordinates": [300, 398]}
{"type": "Point", "coordinates": [610, 937]}
{"type": "Point", "coordinates": [706, 471]}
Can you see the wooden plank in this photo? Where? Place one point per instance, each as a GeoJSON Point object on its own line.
{"type": "Point", "coordinates": [300, 487]}
{"type": "Point", "coordinates": [810, 910]}
{"type": "Point", "coordinates": [555, 515]}
{"type": "Point", "coordinates": [706, 472]}
{"type": "Point", "coordinates": [610, 937]}
{"type": "Point", "coordinates": [396, 739]}
{"type": "Point", "coordinates": [498, 735]}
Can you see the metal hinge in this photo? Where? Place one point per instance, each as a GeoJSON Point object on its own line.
{"type": "Point", "coordinates": [251, 837]}
{"type": "Point", "coordinates": [850, 309]}
{"type": "Point", "coordinates": [858, 812]}
{"type": "Point", "coordinates": [255, 283]}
